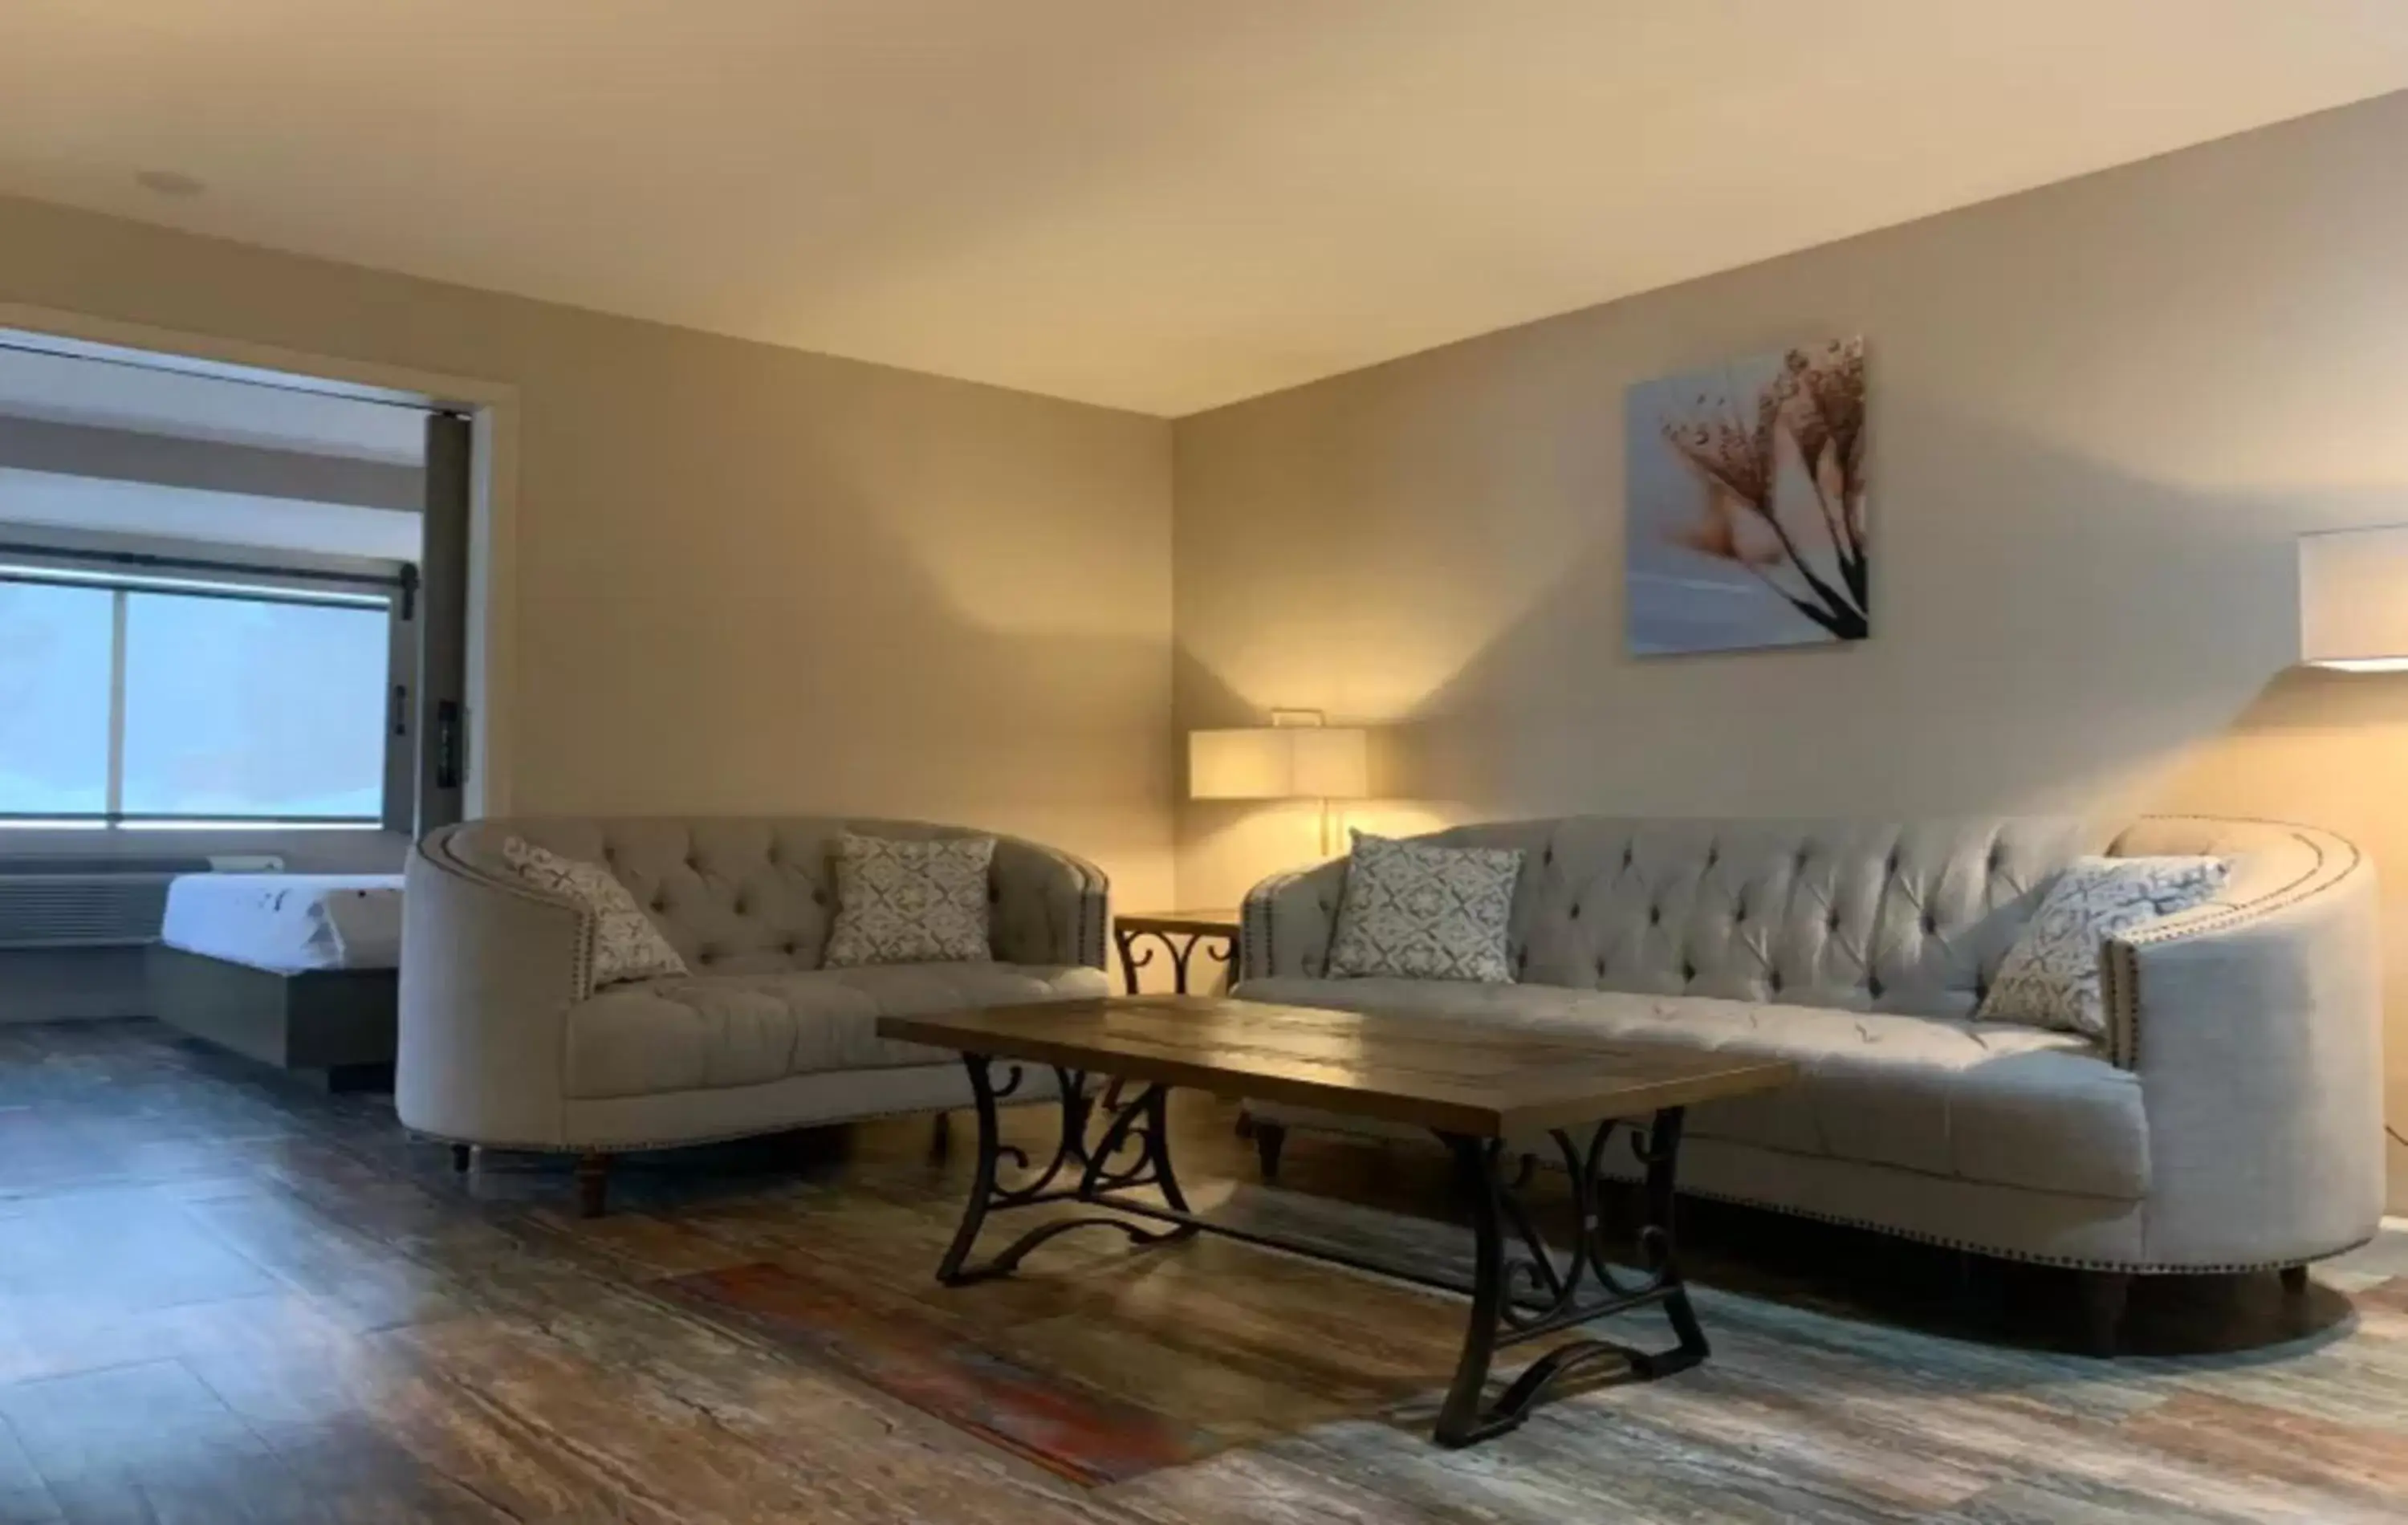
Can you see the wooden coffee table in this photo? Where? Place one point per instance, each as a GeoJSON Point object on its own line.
{"type": "Point", "coordinates": [1473, 1086]}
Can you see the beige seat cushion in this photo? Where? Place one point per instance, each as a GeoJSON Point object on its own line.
{"type": "Point", "coordinates": [713, 1030]}
{"type": "Point", "coordinates": [2016, 1106]}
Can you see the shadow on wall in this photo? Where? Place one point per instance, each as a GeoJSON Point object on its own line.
{"type": "Point", "coordinates": [819, 651]}
{"type": "Point", "coordinates": [2059, 641]}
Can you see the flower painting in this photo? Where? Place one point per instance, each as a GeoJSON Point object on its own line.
{"type": "Point", "coordinates": [1745, 509]}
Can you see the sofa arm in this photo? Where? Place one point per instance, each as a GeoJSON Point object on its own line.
{"type": "Point", "coordinates": [489, 969]}
{"type": "Point", "coordinates": [1050, 907]}
{"type": "Point", "coordinates": [2256, 1030]}
{"type": "Point", "coordinates": [1287, 922]}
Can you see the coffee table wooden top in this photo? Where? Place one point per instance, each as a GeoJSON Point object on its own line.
{"type": "Point", "coordinates": [1456, 1077]}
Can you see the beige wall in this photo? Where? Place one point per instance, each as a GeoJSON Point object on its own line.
{"type": "Point", "coordinates": [2100, 411]}
{"type": "Point", "coordinates": [750, 579]}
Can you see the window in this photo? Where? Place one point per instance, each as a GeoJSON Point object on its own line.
{"type": "Point", "coordinates": [136, 701]}
{"type": "Point", "coordinates": [56, 653]}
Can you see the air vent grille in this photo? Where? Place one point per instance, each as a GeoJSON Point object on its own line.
{"type": "Point", "coordinates": [83, 906]}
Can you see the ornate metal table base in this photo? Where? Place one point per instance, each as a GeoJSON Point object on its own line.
{"type": "Point", "coordinates": [1133, 1151]}
{"type": "Point", "coordinates": [1522, 1290]}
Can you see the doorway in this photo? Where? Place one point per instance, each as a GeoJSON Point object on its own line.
{"type": "Point", "coordinates": [242, 616]}
{"type": "Point", "coordinates": [156, 459]}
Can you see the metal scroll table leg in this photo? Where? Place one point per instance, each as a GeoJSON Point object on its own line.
{"type": "Point", "coordinates": [1461, 1419]}
{"type": "Point", "coordinates": [1661, 1156]}
{"type": "Point", "coordinates": [1157, 1172]}
{"type": "Point", "coordinates": [1522, 1290]}
{"type": "Point", "coordinates": [1138, 1133]}
{"type": "Point", "coordinates": [949, 1270]}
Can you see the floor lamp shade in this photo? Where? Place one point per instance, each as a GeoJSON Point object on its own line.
{"type": "Point", "coordinates": [2353, 599]}
{"type": "Point", "coordinates": [1280, 762]}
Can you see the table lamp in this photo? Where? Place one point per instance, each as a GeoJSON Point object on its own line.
{"type": "Point", "coordinates": [1297, 756]}
{"type": "Point", "coordinates": [2353, 599]}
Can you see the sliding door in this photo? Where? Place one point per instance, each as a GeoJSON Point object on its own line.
{"type": "Point", "coordinates": [442, 707]}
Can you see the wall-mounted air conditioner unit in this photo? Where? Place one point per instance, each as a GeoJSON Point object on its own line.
{"type": "Point", "coordinates": [94, 903]}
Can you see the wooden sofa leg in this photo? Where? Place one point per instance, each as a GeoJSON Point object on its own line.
{"type": "Point", "coordinates": [940, 1136]}
{"type": "Point", "coordinates": [1268, 1138]}
{"type": "Point", "coordinates": [463, 1155]}
{"type": "Point", "coordinates": [2103, 1296]}
{"type": "Point", "coordinates": [592, 1184]}
{"type": "Point", "coordinates": [2295, 1281]}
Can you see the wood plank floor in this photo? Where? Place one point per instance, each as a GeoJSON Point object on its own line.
{"type": "Point", "coordinates": [225, 1299]}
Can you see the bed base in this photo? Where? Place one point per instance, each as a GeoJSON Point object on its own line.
{"type": "Point", "coordinates": [332, 1028]}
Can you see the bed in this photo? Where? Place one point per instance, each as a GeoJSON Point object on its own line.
{"type": "Point", "coordinates": [298, 970]}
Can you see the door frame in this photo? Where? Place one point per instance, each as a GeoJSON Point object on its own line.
{"type": "Point", "coordinates": [493, 408]}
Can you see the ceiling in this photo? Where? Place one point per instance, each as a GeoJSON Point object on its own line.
{"type": "Point", "coordinates": [1149, 204]}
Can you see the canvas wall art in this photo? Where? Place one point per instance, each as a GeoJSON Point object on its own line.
{"type": "Point", "coordinates": [1746, 504]}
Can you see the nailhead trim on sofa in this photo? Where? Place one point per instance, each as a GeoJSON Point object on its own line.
{"type": "Point", "coordinates": [2297, 883]}
{"type": "Point", "coordinates": [2119, 959]}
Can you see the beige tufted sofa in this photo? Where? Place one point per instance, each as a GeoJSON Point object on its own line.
{"type": "Point", "coordinates": [505, 1043]}
{"type": "Point", "coordinates": [2232, 1120]}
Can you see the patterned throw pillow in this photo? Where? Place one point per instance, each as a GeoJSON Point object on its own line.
{"type": "Point", "coordinates": [1424, 913]}
{"type": "Point", "coordinates": [626, 944]}
{"type": "Point", "coordinates": [910, 902]}
{"type": "Point", "coordinates": [2050, 977]}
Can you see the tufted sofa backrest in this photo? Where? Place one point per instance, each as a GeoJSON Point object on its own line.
{"type": "Point", "coordinates": [747, 895]}
{"type": "Point", "coordinates": [1909, 916]}
{"type": "Point", "coordinates": [1896, 916]}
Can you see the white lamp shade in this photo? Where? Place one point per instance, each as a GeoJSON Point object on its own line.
{"type": "Point", "coordinates": [2353, 599]}
{"type": "Point", "coordinates": [1280, 762]}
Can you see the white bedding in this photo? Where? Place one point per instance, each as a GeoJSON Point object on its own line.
{"type": "Point", "coordinates": [288, 921]}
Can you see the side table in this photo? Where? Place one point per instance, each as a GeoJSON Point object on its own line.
{"type": "Point", "coordinates": [1179, 933]}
